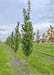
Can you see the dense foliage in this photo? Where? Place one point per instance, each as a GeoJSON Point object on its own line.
{"type": "Point", "coordinates": [12, 40]}
{"type": "Point", "coordinates": [17, 37]}
{"type": "Point", "coordinates": [27, 32]}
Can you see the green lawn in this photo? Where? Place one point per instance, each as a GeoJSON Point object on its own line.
{"type": "Point", "coordinates": [5, 66]}
{"type": "Point", "coordinates": [38, 64]}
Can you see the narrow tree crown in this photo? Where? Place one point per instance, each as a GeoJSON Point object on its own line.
{"type": "Point", "coordinates": [12, 40]}
{"type": "Point", "coordinates": [17, 37]}
{"type": "Point", "coordinates": [27, 32]}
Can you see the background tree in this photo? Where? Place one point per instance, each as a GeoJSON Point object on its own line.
{"type": "Point", "coordinates": [37, 37]}
{"type": "Point", "coordinates": [27, 34]}
{"type": "Point", "coordinates": [8, 41]}
{"type": "Point", "coordinates": [50, 33]}
{"type": "Point", "coordinates": [43, 38]}
{"type": "Point", "coordinates": [12, 40]}
{"type": "Point", "coordinates": [17, 37]}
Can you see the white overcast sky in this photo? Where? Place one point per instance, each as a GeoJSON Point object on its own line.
{"type": "Point", "coordinates": [11, 11]}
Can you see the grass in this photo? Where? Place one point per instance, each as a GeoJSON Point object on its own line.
{"type": "Point", "coordinates": [38, 64]}
{"type": "Point", "coordinates": [46, 49]}
{"type": "Point", "coordinates": [5, 66]}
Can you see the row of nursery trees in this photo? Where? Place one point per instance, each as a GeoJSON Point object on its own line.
{"type": "Point", "coordinates": [14, 39]}
{"type": "Point", "coordinates": [26, 37]}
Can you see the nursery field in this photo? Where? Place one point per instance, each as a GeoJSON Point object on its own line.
{"type": "Point", "coordinates": [40, 62]}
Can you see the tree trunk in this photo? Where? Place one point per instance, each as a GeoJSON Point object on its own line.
{"type": "Point", "coordinates": [51, 48]}
{"type": "Point", "coordinates": [37, 47]}
{"type": "Point", "coordinates": [44, 45]}
{"type": "Point", "coordinates": [27, 66]}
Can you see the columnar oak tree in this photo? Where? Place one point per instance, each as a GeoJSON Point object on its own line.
{"type": "Point", "coordinates": [17, 37]}
{"type": "Point", "coordinates": [8, 41]}
{"type": "Point", "coordinates": [27, 34]}
{"type": "Point", "coordinates": [12, 40]}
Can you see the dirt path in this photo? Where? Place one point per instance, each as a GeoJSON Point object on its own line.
{"type": "Point", "coordinates": [18, 66]}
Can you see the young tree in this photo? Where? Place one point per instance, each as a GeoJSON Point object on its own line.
{"type": "Point", "coordinates": [12, 40]}
{"type": "Point", "coordinates": [17, 37]}
{"type": "Point", "coordinates": [50, 33]}
{"type": "Point", "coordinates": [27, 34]}
{"type": "Point", "coordinates": [37, 37]}
{"type": "Point", "coordinates": [8, 41]}
{"type": "Point", "coordinates": [43, 38]}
